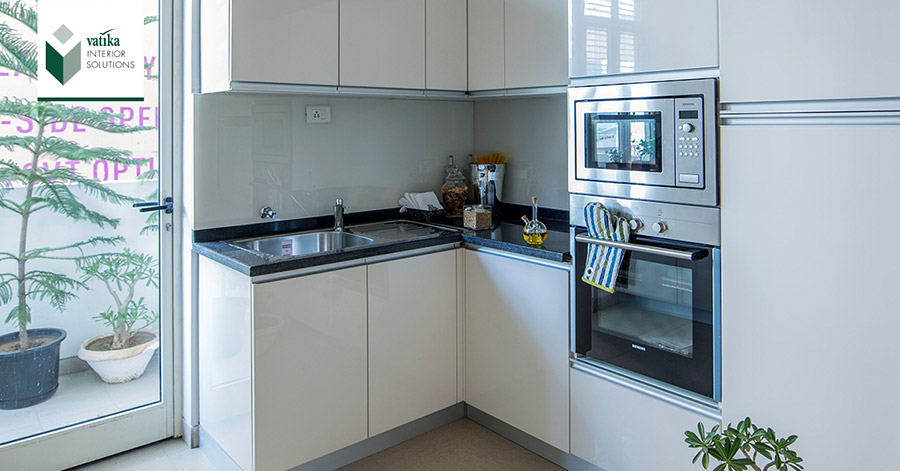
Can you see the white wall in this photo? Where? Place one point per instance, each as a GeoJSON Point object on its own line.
{"type": "Point", "coordinates": [255, 150]}
{"type": "Point", "coordinates": [532, 132]}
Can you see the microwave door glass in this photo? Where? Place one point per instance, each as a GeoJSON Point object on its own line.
{"type": "Point", "coordinates": [624, 141]}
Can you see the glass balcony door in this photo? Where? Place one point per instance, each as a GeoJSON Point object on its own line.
{"type": "Point", "coordinates": [81, 270]}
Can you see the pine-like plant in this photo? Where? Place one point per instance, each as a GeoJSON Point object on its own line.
{"type": "Point", "coordinates": [17, 54]}
{"type": "Point", "coordinates": [121, 273]}
{"type": "Point", "coordinates": [39, 187]}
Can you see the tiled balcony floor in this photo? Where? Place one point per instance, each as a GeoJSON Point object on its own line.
{"type": "Point", "coordinates": [81, 396]}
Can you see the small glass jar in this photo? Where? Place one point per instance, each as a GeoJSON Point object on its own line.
{"type": "Point", "coordinates": [454, 192]}
{"type": "Point", "coordinates": [477, 216]}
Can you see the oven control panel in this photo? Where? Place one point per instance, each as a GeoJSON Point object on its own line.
{"type": "Point", "coordinates": [689, 142]}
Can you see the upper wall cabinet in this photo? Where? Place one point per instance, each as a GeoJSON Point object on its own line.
{"type": "Point", "coordinates": [445, 45]}
{"type": "Point", "coordinates": [383, 43]}
{"type": "Point", "coordinates": [486, 45]}
{"type": "Point", "coordinates": [270, 41]}
{"type": "Point", "coordinates": [517, 44]}
{"type": "Point", "coordinates": [633, 36]}
{"type": "Point", "coordinates": [809, 50]}
{"type": "Point", "coordinates": [535, 43]}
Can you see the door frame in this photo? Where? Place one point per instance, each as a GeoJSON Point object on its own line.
{"type": "Point", "coordinates": [84, 442]}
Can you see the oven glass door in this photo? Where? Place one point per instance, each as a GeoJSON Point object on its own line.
{"type": "Point", "coordinates": [625, 141]}
{"type": "Point", "coordinates": [659, 321]}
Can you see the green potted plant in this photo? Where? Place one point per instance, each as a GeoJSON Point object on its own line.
{"type": "Point", "coordinates": [29, 359]}
{"type": "Point", "coordinates": [123, 355]}
{"type": "Point", "coordinates": [740, 448]}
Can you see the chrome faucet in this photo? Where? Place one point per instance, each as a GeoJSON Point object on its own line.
{"type": "Point", "coordinates": [339, 215]}
{"type": "Point", "coordinates": [267, 212]}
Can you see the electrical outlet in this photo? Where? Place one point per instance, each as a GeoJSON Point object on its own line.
{"type": "Point", "coordinates": [318, 114]}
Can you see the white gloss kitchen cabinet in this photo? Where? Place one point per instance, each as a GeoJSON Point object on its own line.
{"type": "Point", "coordinates": [620, 429]}
{"type": "Point", "coordinates": [412, 338]}
{"type": "Point", "coordinates": [297, 390]}
{"type": "Point", "coordinates": [517, 44]}
{"type": "Point", "coordinates": [383, 43]}
{"type": "Point", "coordinates": [823, 325]}
{"type": "Point", "coordinates": [809, 49]}
{"type": "Point", "coordinates": [517, 344]}
{"type": "Point", "coordinates": [297, 368]}
{"type": "Point", "coordinates": [631, 36]}
{"type": "Point", "coordinates": [268, 41]}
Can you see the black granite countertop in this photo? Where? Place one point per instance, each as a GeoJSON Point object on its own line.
{"type": "Point", "coordinates": [388, 237]}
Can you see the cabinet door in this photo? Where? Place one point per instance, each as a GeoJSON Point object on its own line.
{"type": "Point", "coordinates": [383, 43]}
{"type": "Point", "coordinates": [535, 43]}
{"type": "Point", "coordinates": [809, 49]}
{"type": "Point", "coordinates": [284, 41]}
{"type": "Point", "coordinates": [445, 44]}
{"type": "Point", "coordinates": [224, 351]}
{"type": "Point", "coordinates": [486, 63]}
{"type": "Point", "coordinates": [841, 342]}
{"type": "Point", "coordinates": [629, 36]}
{"type": "Point", "coordinates": [412, 339]}
{"type": "Point", "coordinates": [309, 366]}
{"type": "Point", "coordinates": [517, 348]}
{"type": "Point", "coordinates": [619, 429]}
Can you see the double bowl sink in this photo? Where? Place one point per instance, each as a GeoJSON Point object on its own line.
{"type": "Point", "coordinates": [318, 242]}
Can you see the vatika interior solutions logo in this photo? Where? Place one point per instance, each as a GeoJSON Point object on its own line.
{"type": "Point", "coordinates": [93, 50]}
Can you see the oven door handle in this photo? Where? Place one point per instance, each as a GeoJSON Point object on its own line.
{"type": "Point", "coordinates": [679, 254]}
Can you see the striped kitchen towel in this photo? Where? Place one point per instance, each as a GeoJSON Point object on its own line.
{"type": "Point", "coordinates": [602, 266]}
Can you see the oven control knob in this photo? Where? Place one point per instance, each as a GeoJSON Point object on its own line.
{"type": "Point", "coordinates": [635, 224]}
{"type": "Point", "coordinates": [660, 227]}
{"type": "Point", "coordinates": [687, 127]}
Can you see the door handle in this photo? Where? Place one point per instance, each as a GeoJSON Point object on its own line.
{"type": "Point", "coordinates": [168, 206]}
{"type": "Point", "coordinates": [679, 254]}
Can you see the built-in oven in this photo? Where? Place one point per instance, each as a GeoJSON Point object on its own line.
{"type": "Point", "coordinates": [661, 324]}
{"type": "Point", "coordinates": [651, 141]}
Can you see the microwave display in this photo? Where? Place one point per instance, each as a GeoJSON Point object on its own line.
{"type": "Point", "coordinates": [624, 141]}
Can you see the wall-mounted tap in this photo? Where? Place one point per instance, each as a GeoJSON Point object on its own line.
{"type": "Point", "coordinates": [267, 212]}
{"type": "Point", "coordinates": [339, 215]}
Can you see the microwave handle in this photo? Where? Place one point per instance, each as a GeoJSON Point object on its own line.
{"type": "Point", "coordinates": [679, 254]}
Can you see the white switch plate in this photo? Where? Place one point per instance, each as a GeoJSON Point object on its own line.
{"type": "Point", "coordinates": [318, 114]}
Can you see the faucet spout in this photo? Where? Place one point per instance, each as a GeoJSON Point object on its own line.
{"type": "Point", "coordinates": [339, 215]}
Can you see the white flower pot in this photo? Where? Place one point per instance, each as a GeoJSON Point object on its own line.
{"type": "Point", "coordinates": [119, 366]}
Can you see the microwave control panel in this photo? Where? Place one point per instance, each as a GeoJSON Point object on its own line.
{"type": "Point", "coordinates": [689, 142]}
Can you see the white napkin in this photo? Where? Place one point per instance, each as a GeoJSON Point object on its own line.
{"type": "Point", "coordinates": [424, 201]}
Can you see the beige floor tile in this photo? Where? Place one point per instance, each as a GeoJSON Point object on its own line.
{"type": "Point", "coordinates": [461, 445]}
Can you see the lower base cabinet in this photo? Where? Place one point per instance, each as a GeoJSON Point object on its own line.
{"type": "Point", "coordinates": [619, 429]}
{"type": "Point", "coordinates": [309, 367]}
{"type": "Point", "coordinates": [517, 344]}
{"type": "Point", "coordinates": [412, 339]}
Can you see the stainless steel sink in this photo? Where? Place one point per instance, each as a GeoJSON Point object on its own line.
{"type": "Point", "coordinates": [304, 244]}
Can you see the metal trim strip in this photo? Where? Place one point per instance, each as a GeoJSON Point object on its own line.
{"type": "Point", "coordinates": [412, 253]}
{"type": "Point", "coordinates": [811, 119]}
{"type": "Point", "coordinates": [522, 258]}
{"type": "Point", "coordinates": [259, 279]}
{"type": "Point", "coordinates": [706, 410]}
{"type": "Point", "coordinates": [658, 76]}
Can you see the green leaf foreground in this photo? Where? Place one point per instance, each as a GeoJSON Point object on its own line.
{"type": "Point", "coordinates": [19, 12]}
{"type": "Point", "coordinates": [17, 54]}
{"type": "Point", "coordinates": [738, 448]}
{"type": "Point", "coordinates": [49, 190]}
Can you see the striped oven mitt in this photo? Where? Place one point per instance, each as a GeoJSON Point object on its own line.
{"type": "Point", "coordinates": [602, 266]}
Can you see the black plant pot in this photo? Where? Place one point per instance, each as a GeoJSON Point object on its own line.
{"type": "Point", "coordinates": [30, 376]}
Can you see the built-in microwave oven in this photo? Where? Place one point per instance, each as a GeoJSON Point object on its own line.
{"type": "Point", "coordinates": [650, 141]}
